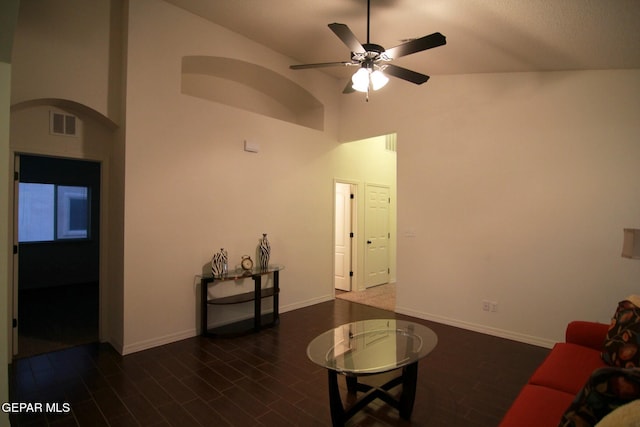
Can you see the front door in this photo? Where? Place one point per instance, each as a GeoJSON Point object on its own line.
{"type": "Point", "coordinates": [377, 203]}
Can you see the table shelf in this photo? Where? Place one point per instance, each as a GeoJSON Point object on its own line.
{"type": "Point", "coordinates": [259, 319]}
{"type": "Point", "coordinates": [240, 298]}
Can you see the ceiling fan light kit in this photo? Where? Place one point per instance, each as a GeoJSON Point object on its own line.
{"type": "Point", "coordinates": [378, 80]}
{"type": "Point", "coordinates": [360, 80]}
{"type": "Point", "coordinates": [366, 78]}
{"type": "Point", "coordinates": [373, 59]}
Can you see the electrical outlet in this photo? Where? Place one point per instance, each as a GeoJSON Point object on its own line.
{"type": "Point", "coordinates": [494, 306]}
{"type": "Point", "coordinates": [486, 305]}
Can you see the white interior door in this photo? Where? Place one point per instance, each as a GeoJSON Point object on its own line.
{"type": "Point", "coordinates": [377, 203]}
{"type": "Point", "coordinates": [342, 279]}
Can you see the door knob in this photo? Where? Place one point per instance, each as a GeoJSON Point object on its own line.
{"type": "Point", "coordinates": [369, 242]}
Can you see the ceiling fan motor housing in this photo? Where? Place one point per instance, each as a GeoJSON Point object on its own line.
{"type": "Point", "coordinates": [372, 52]}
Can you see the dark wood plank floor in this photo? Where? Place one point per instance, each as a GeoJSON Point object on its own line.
{"type": "Point", "coordinates": [58, 317]}
{"type": "Point", "coordinates": [265, 379]}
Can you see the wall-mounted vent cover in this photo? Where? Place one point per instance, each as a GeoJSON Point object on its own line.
{"type": "Point", "coordinates": [390, 142]}
{"type": "Point", "coordinates": [62, 124]}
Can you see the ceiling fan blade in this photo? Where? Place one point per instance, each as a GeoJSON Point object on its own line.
{"type": "Point", "coordinates": [417, 45]}
{"type": "Point", "coordinates": [324, 65]}
{"type": "Point", "coordinates": [347, 37]}
{"type": "Point", "coordinates": [349, 87]}
{"type": "Point", "coordinates": [405, 74]}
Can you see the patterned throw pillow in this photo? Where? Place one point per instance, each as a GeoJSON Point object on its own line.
{"type": "Point", "coordinates": [607, 389]}
{"type": "Point", "coordinates": [622, 344]}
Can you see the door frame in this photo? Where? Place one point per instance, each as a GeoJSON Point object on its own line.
{"type": "Point", "coordinates": [102, 250]}
{"type": "Point", "coordinates": [355, 186]}
{"type": "Point", "coordinates": [15, 259]}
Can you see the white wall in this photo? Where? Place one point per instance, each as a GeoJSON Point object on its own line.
{"type": "Point", "coordinates": [190, 188]}
{"type": "Point", "coordinates": [78, 67]}
{"type": "Point", "coordinates": [513, 188]}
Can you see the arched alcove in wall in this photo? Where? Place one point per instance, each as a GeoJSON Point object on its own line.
{"type": "Point", "coordinates": [31, 130]}
{"type": "Point", "coordinates": [250, 87]}
{"type": "Point", "coordinates": [71, 106]}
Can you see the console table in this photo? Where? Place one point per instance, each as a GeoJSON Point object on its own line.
{"type": "Point", "coordinates": [259, 320]}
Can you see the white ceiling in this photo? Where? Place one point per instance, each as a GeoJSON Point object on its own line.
{"type": "Point", "coordinates": [483, 36]}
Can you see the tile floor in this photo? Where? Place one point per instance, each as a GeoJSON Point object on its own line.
{"type": "Point", "coordinates": [265, 379]}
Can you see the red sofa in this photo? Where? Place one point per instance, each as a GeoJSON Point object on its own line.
{"type": "Point", "coordinates": [556, 382]}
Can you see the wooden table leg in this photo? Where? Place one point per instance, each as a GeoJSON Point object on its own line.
{"type": "Point", "coordinates": [409, 380]}
{"type": "Point", "coordinates": [257, 303]}
{"type": "Point", "coordinates": [204, 307]}
{"type": "Point", "coordinates": [408, 396]}
{"type": "Point", "coordinates": [352, 384]}
{"type": "Point", "coordinates": [335, 402]}
{"type": "Point", "coordinates": [276, 297]}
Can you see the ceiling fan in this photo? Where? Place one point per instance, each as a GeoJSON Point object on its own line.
{"type": "Point", "coordinates": [373, 60]}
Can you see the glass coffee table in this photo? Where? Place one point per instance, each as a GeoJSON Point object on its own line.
{"type": "Point", "coordinates": [371, 347]}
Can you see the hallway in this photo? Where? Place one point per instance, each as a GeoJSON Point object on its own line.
{"type": "Point", "coordinates": [382, 296]}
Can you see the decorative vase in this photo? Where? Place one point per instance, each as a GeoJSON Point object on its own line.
{"type": "Point", "coordinates": [265, 252]}
{"type": "Point", "coordinates": [225, 261]}
{"type": "Point", "coordinates": [220, 263]}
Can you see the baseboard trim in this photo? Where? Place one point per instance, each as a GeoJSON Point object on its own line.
{"type": "Point", "coordinates": [306, 303]}
{"type": "Point", "coordinates": [189, 333]}
{"type": "Point", "coordinates": [117, 345]}
{"type": "Point", "coordinates": [158, 341]}
{"type": "Point", "coordinates": [496, 332]}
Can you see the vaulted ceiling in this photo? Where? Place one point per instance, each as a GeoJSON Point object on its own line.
{"type": "Point", "coordinates": [483, 36]}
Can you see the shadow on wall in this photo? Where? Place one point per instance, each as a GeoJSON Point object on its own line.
{"type": "Point", "coordinates": [252, 88]}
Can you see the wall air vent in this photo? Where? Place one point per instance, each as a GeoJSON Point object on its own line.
{"type": "Point", "coordinates": [390, 142]}
{"type": "Point", "coordinates": [62, 124]}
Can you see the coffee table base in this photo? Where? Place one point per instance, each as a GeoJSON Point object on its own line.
{"type": "Point", "coordinates": [408, 379]}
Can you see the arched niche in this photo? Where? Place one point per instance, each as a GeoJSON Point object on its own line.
{"type": "Point", "coordinates": [30, 129]}
{"type": "Point", "coordinates": [252, 88]}
{"type": "Point", "coordinates": [66, 104]}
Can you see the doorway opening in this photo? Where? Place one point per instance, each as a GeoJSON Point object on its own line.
{"type": "Point", "coordinates": [58, 252]}
{"type": "Point", "coordinates": [365, 214]}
